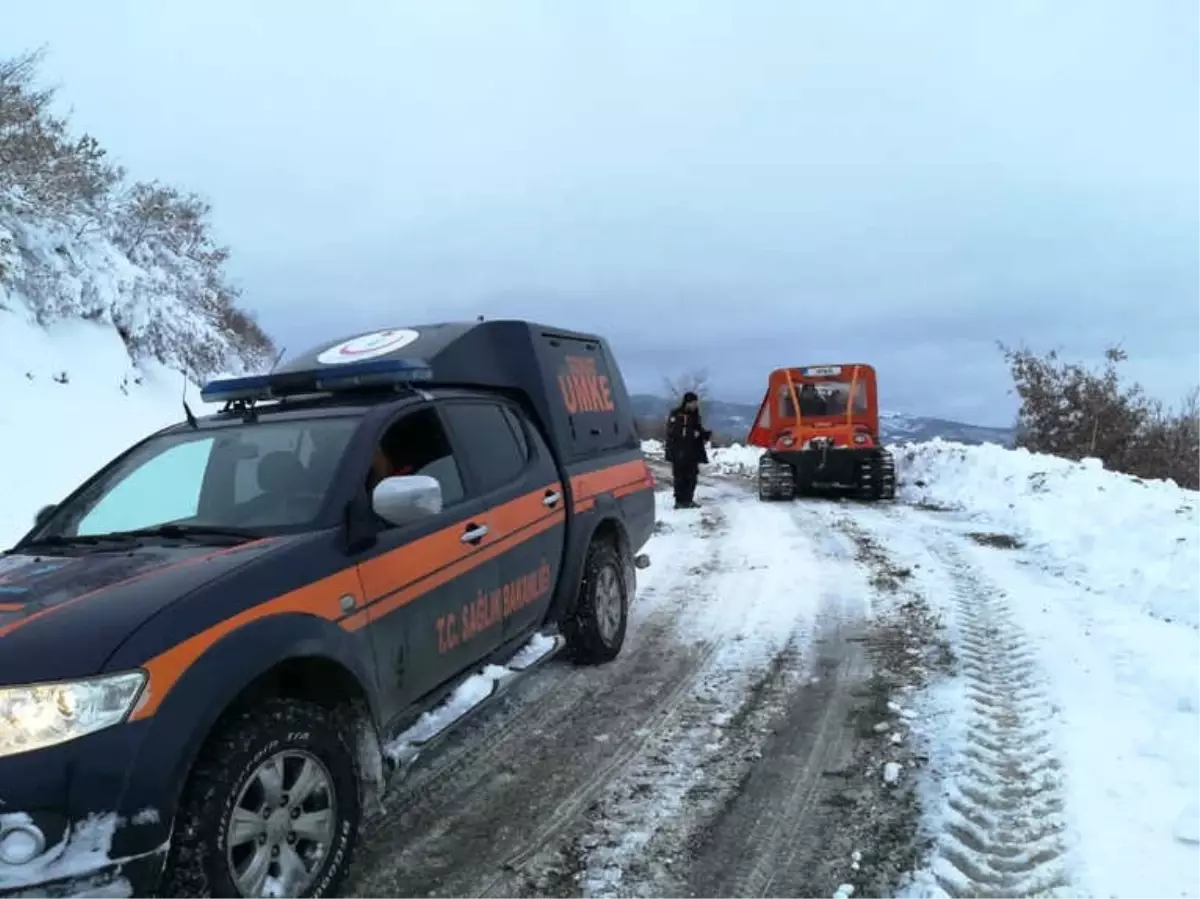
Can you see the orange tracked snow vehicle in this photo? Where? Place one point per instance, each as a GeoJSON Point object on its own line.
{"type": "Point", "coordinates": [819, 426]}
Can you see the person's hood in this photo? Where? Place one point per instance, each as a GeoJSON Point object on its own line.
{"type": "Point", "coordinates": [62, 616]}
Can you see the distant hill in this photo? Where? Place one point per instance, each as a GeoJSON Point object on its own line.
{"type": "Point", "coordinates": [733, 420]}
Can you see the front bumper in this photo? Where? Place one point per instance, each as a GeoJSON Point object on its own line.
{"type": "Point", "coordinates": [76, 871]}
{"type": "Point", "coordinates": [78, 821]}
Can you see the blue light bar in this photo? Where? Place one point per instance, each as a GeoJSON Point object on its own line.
{"type": "Point", "coordinates": [255, 387]}
{"type": "Point", "coordinates": [330, 379]}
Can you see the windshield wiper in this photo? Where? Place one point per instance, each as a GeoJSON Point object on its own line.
{"type": "Point", "coordinates": [186, 531]}
{"type": "Point", "coordinates": [77, 540]}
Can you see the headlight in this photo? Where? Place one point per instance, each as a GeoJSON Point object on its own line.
{"type": "Point", "coordinates": [41, 715]}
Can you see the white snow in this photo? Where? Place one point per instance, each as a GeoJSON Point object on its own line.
{"type": "Point", "coordinates": [1105, 593]}
{"type": "Point", "coordinates": [1108, 532]}
{"type": "Point", "coordinates": [738, 606]}
{"type": "Point", "coordinates": [94, 338]}
{"type": "Point", "coordinates": [56, 434]}
{"type": "Point", "coordinates": [735, 460]}
{"type": "Point", "coordinates": [55, 269]}
{"type": "Point", "coordinates": [86, 851]}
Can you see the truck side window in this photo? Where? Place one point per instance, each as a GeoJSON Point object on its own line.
{"type": "Point", "coordinates": [489, 442]}
{"type": "Point", "coordinates": [417, 444]}
{"type": "Point", "coordinates": [518, 431]}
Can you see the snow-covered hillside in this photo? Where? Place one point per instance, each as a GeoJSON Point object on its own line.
{"type": "Point", "coordinates": [72, 398]}
{"type": "Point", "coordinates": [97, 326]}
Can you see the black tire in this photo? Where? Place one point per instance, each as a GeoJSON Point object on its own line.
{"type": "Point", "coordinates": [196, 864]}
{"type": "Point", "coordinates": [589, 640]}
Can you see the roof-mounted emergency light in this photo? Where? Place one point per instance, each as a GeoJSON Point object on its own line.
{"type": "Point", "coordinates": [381, 373]}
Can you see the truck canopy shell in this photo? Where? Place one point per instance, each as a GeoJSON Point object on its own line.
{"type": "Point", "coordinates": [570, 379]}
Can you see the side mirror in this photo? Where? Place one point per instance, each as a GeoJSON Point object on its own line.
{"type": "Point", "coordinates": [43, 515]}
{"type": "Point", "coordinates": [408, 498]}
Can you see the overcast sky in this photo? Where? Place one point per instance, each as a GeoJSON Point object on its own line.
{"type": "Point", "coordinates": [735, 185]}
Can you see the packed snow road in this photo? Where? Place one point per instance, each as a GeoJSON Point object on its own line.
{"type": "Point", "coordinates": [700, 760]}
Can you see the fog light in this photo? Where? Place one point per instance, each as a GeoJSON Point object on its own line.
{"type": "Point", "coordinates": [641, 561]}
{"type": "Point", "coordinates": [21, 844]}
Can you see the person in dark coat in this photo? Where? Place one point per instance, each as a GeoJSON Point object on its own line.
{"type": "Point", "coordinates": [686, 436]}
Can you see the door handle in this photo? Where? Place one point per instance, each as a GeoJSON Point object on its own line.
{"type": "Point", "coordinates": [474, 533]}
{"type": "Point", "coordinates": [551, 498]}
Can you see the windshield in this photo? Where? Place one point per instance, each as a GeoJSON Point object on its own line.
{"type": "Point", "coordinates": [822, 398]}
{"type": "Point", "coordinates": [256, 477]}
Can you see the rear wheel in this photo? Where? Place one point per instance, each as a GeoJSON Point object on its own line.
{"type": "Point", "coordinates": [596, 632]}
{"type": "Point", "coordinates": [271, 808]}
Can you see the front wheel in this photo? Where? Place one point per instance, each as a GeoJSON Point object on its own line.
{"type": "Point", "coordinates": [271, 808]}
{"type": "Point", "coordinates": [596, 632]}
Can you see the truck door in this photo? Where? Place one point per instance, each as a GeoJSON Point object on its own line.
{"type": "Point", "coordinates": [421, 579]}
{"type": "Point", "coordinates": [519, 478]}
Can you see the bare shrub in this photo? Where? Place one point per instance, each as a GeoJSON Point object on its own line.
{"type": "Point", "coordinates": [1071, 411]}
{"type": "Point", "coordinates": [695, 381]}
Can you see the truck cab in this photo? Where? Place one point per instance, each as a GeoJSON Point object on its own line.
{"type": "Point", "coordinates": [258, 608]}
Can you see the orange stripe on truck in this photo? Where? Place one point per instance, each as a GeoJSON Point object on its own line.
{"type": "Point", "coordinates": [396, 578]}
{"type": "Point", "coordinates": [320, 598]}
{"type": "Point", "coordinates": [194, 560]}
{"type": "Point", "coordinates": [605, 480]}
{"type": "Point", "coordinates": [618, 480]}
{"type": "Point", "coordinates": [415, 569]}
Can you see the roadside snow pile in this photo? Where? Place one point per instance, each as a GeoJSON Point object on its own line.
{"type": "Point", "coordinates": [653, 448]}
{"type": "Point", "coordinates": [73, 399]}
{"type": "Point", "coordinates": [1110, 532]}
{"type": "Point", "coordinates": [737, 460]}
{"type": "Point", "coordinates": [734, 461]}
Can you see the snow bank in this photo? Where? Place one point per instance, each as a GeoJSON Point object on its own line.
{"type": "Point", "coordinates": [733, 461]}
{"type": "Point", "coordinates": [72, 399]}
{"type": "Point", "coordinates": [1109, 532]}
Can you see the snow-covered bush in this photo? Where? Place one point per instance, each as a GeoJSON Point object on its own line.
{"type": "Point", "coordinates": [77, 241]}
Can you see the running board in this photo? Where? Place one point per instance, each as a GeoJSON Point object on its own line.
{"type": "Point", "coordinates": [473, 693]}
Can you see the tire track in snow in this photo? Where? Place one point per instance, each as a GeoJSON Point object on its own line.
{"type": "Point", "coordinates": [639, 839]}
{"type": "Point", "coordinates": [754, 836]}
{"type": "Point", "coordinates": [755, 848]}
{"type": "Point", "coordinates": [1003, 829]}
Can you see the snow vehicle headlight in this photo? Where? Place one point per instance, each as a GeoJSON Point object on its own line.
{"type": "Point", "coordinates": [35, 716]}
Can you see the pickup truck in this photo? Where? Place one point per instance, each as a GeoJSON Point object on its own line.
{"type": "Point", "coordinates": [217, 652]}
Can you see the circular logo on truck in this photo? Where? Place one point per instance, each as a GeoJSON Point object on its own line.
{"type": "Point", "coordinates": [368, 346]}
